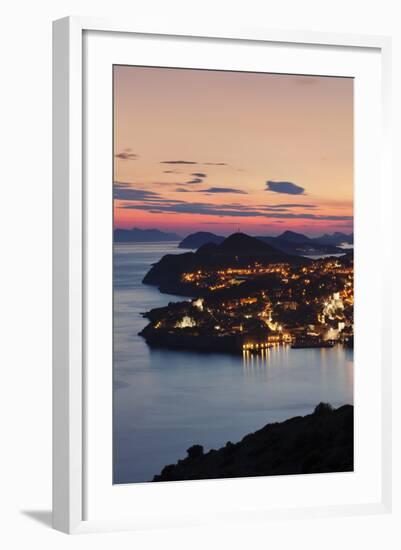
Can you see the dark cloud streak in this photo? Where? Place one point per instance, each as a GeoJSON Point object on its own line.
{"type": "Point", "coordinates": [212, 190]}
{"type": "Point", "coordinates": [126, 155]}
{"type": "Point", "coordinates": [229, 210]}
{"type": "Point", "coordinates": [178, 162]}
{"type": "Point", "coordinates": [291, 205]}
{"type": "Point", "coordinates": [125, 192]}
{"type": "Point", "coordinates": [150, 201]}
{"type": "Point", "coordinates": [193, 162]}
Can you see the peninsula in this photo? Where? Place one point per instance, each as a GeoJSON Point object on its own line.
{"type": "Point", "coordinates": [248, 296]}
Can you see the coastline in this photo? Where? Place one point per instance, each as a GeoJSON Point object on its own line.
{"type": "Point", "coordinates": [181, 388]}
{"type": "Point", "coordinates": [320, 442]}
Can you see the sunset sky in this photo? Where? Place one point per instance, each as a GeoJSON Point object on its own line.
{"type": "Point", "coordinates": [198, 150]}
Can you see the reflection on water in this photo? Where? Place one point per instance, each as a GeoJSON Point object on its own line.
{"type": "Point", "coordinates": [165, 401]}
{"type": "Point", "coordinates": [278, 354]}
{"type": "Point", "coordinates": [257, 363]}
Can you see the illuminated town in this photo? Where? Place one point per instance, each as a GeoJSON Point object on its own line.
{"type": "Point", "coordinates": [250, 308]}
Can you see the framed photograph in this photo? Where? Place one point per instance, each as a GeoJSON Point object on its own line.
{"type": "Point", "coordinates": [219, 316]}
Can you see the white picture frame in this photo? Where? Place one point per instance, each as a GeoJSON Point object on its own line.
{"type": "Point", "coordinates": [70, 258]}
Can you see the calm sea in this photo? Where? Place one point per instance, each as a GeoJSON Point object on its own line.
{"type": "Point", "coordinates": [166, 401]}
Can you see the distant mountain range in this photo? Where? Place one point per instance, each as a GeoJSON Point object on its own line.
{"type": "Point", "coordinates": [288, 242]}
{"type": "Point", "coordinates": [336, 238]}
{"type": "Point", "coordinates": [136, 235]}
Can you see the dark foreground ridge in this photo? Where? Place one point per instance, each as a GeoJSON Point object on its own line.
{"type": "Point", "coordinates": [321, 442]}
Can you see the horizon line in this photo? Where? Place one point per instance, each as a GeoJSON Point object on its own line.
{"type": "Point", "coordinates": [345, 232]}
